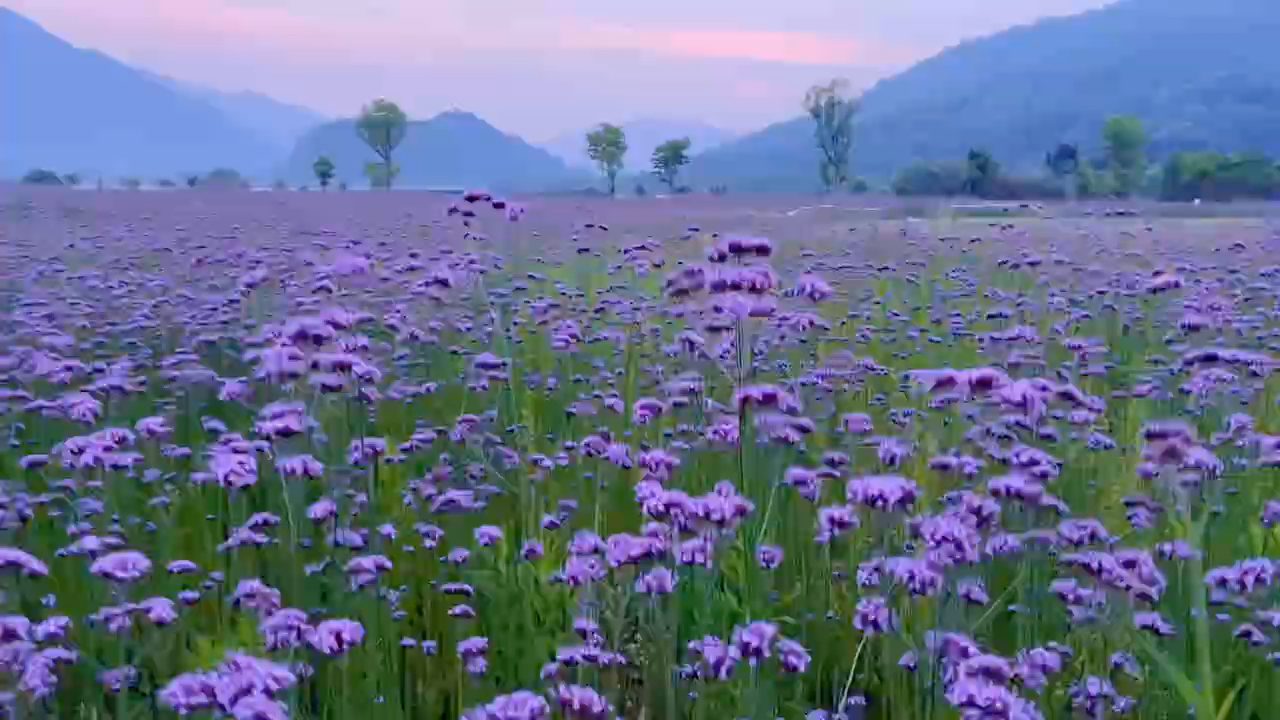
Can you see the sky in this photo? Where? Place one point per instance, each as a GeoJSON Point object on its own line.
{"type": "Point", "coordinates": [537, 68]}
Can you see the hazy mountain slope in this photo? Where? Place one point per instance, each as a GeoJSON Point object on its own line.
{"type": "Point", "coordinates": [453, 149]}
{"type": "Point", "coordinates": [1200, 74]}
{"type": "Point", "coordinates": [279, 123]}
{"type": "Point", "coordinates": [77, 110]}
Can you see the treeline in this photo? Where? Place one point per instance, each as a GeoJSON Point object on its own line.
{"type": "Point", "coordinates": [1122, 171]}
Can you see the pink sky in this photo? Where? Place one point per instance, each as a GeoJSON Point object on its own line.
{"type": "Point", "coordinates": [534, 67]}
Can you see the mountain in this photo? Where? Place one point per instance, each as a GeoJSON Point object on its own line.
{"type": "Point", "coordinates": [643, 135]}
{"type": "Point", "coordinates": [452, 149]}
{"type": "Point", "coordinates": [1200, 75]}
{"type": "Point", "coordinates": [278, 123]}
{"type": "Point", "coordinates": [70, 109]}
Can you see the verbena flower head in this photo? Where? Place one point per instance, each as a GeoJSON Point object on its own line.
{"type": "Point", "coordinates": [123, 566]}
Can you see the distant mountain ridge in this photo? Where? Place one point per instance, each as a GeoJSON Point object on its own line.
{"type": "Point", "coordinates": [70, 109]}
{"type": "Point", "coordinates": [452, 149]}
{"type": "Point", "coordinates": [1201, 75]}
{"type": "Point", "coordinates": [276, 122]}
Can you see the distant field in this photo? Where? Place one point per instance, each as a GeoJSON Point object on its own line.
{"type": "Point", "coordinates": [323, 455]}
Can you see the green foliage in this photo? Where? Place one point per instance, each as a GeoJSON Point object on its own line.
{"type": "Point", "coordinates": [71, 179]}
{"type": "Point", "coordinates": [166, 183]}
{"type": "Point", "coordinates": [858, 185]}
{"type": "Point", "coordinates": [1063, 160]}
{"type": "Point", "coordinates": [380, 176]}
{"type": "Point", "coordinates": [832, 112]}
{"type": "Point", "coordinates": [130, 183]}
{"type": "Point", "coordinates": [607, 147]}
{"type": "Point", "coordinates": [979, 175]}
{"type": "Point", "coordinates": [193, 180]}
{"type": "Point", "coordinates": [1213, 176]}
{"type": "Point", "coordinates": [930, 179]}
{"type": "Point", "coordinates": [382, 126]}
{"type": "Point", "coordinates": [224, 178]}
{"type": "Point", "coordinates": [668, 158]}
{"type": "Point", "coordinates": [1126, 142]}
{"type": "Point", "coordinates": [981, 171]}
{"type": "Point", "coordinates": [40, 176]}
{"type": "Point", "coordinates": [324, 170]}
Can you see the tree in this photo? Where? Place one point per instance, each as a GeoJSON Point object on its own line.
{"type": "Point", "coordinates": [224, 178]}
{"type": "Point", "coordinates": [40, 176]}
{"type": "Point", "coordinates": [166, 183]}
{"type": "Point", "coordinates": [382, 126]}
{"type": "Point", "coordinates": [130, 183]}
{"type": "Point", "coordinates": [930, 179]}
{"type": "Point", "coordinates": [72, 179]}
{"type": "Point", "coordinates": [1126, 142]}
{"type": "Point", "coordinates": [380, 176]}
{"type": "Point", "coordinates": [832, 111]}
{"type": "Point", "coordinates": [607, 146]}
{"type": "Point", "coordinates": [980, 173]}
{"type": "Point", "coordinates": [1063, 162]}
{"type": "Point", "coordinates": [193, 180]}
{"type": "Point", "coordinates": [324, 169]}
{"type": "Point", "coordinates": [668, 158]}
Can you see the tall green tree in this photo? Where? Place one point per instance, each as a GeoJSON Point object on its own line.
{"type": "Point", "coordinates": [1126, 144]}
{"type": "Point", "coordinates": [1063, 162]}
{"type": "Point", "coordinates": [324, 169]}
{"type": "Point", "coordinates": [382, 126]}
{"type": "Point", "coordinates": [980, 173]}
{"type": "Point", "coordinates": [668, 158]}
{"type": "Point", "coordinates": [607, 146]}
{"type": "Point", "coordinates": [832, 110]}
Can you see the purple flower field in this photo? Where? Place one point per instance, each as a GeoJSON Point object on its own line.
{"type": "Point", "coordinates": [400, 455]}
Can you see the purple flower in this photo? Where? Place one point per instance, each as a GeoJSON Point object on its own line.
{"type": "Point", "coordinates": [116, 679]}
{"type": "Point", "coordinates": [873, 616]}
{"type": "Point", "coordinates": [792, 655]}
{"type": "Point", "coordinates": [335, 637]}
{"type": "Point", "coordinates": [284, 629]}
{"type": "Point", "coordinates": [190, 692]}
{"type": "Point", "coordinates": [658, 581]}
{"type": "Point", "coordinates": [158, 610]}
{"type": "Point", "coordinates": [754, 641]}
{"type": "Point", "coordinates": [300, 466]}
{"type": "Point", "coordinates": [769, 556]}
{"type": "Point", "coordinates": [972, 591]}
{"type": "Point", "coordinates": [182, 567]}
{"type": "Point", "coordinates": [364, 569]}
{"type": "Point", "coordinates": [123, 566]}
{"type": "Point", "coordinates": [1153, 622]}
{"type": "Point", "coordinates": [579, 702]}
{"type": "Point", "coordinates": [259, 707]}
{"type": "Point", "coordinates": [519, 705]}
{"type": "Point", "coordinates": [531, 550]}
{"type": "Point", "coordinates": [833, 520]}
{"type": "Point", "coordinates": [487, 535]}
{"type": "Point", "coordinates": [322, 510]}
{"type": "Point", "coordinates": [716, 656]}
{"type": "Point", "coordinates": [253, 594]}
{"type": "Point", "coordinates": [889, 493]}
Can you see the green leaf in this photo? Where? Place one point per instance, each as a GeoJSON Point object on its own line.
{"type": "Point", "coordinates": [1185, 686]}
{"type": "Point", "coordinates": [1230, 700]}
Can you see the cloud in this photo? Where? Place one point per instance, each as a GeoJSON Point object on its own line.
{"type": "Point", "coordinates": [803, 48]}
